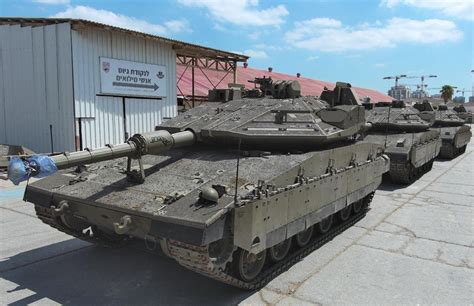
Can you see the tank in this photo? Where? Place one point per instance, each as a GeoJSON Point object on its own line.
{"type": "Point", "coordinates": [464, 114]}
{"type": "Point", "coordinates": [408, 142]}
{"type": "Point", "coordinates": [455, 135]}
{"type": "Point", "coordinates": [237, 191]}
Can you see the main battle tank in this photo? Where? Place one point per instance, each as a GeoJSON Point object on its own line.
{"type": "Point", "coordinates": [408, 142]}
{"type": "Point", "coordinates": [233, 190]}
{"type": "Point", "coordinates": [455, 135]}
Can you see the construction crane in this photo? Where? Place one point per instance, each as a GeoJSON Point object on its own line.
{"type": "Point", "coordinates": [462, 91]}
{"type": "Point", "coordinates": [422, 77]}
{"type": "Point", "coordinates": [439, 88]}
{"type": "Point", "coordinates": [434, 88]}
{"type": "Point", "coordinates": [396, 77]}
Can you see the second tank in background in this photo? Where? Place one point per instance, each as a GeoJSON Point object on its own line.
{"type": "Point", "coordinates": [409, 143]}
{"type": "Point", "coordinates": [455, 135]}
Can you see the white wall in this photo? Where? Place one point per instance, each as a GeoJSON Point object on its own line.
{"type": "Point", "coordinates": [102, 119]}
{"type": "Point", "coordinates": [36, 87]}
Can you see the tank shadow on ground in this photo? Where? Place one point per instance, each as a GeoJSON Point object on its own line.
{"type": "Point", "coordinates": [125, 276]}
{"type": "Point", "coordinates": [443, 160]}
{"type": "Point", "coordinates": [387, 184]}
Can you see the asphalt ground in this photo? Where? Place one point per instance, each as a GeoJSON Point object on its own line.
{"type": "Point", "coordinates": [415, 246]}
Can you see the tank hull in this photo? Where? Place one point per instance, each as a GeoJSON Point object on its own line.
{"type": "Point", "coordinates": [454, 140]}
{"type": "Point", "coordinates": [411, 154]}
{"type": "Point", "coordinates": [165, 210]}
{"type": "Point", "coordinates": [468, 117]}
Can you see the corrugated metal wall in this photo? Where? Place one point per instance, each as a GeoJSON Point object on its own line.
{"type": "Point", "coordinates": [102, 118]}
{"type": "Point", "coordinates": [36, 87]}
{"type": "Point", "coordinates": [142, 115]}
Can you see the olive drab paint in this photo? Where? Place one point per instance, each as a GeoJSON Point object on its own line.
{"type": "Point", "coordinates": [301, 170]}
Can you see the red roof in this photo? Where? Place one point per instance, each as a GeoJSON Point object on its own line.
{"type": "Point", "coordinates": [202, 84]}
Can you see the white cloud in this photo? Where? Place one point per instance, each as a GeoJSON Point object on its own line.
{"type": "Point", "coordinates": [123, 21]}
{"type": "Point", "coordinates": [255, 35]}
{"type": "Point", "coordinates": [258, 54]}
{"type": "Point", "coordinates": [52, 2]}
{"type": "Point", "coordinates": [255, 54]}
{"type": "Point", "coordinates": [462, 9]}
{"type": "Point", "coordinates": [241, 12]}
{"type": "Point", "coordinates": [219, 28]}
{"type": "Point", "coordinates": [312, 58]}
{"type": "Point", "coordinates": [329, 35]}
{"type": "Point", "coordinates": [380, 65]}
{"type": "Point", "coordinates": [178, 25]}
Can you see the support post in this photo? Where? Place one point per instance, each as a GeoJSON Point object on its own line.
{"type": "Point", "coordinates": [51, 137]}
{"type": "Point", "coordinates": [124, 113]}
{"type": "Point", "coordinates": [235, 72]}
{"type": "Point", "coordinates": [192, 80]}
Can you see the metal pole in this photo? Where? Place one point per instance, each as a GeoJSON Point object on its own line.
{"type": "Point", "coordinates": [124, 112]}
{"type": "Point", "coordinates": [51, 137]}
{"type": "Point", "coordinates": [237, 173]}
{"type": "Point", "coordinates": [386, 129]}
{"type": "Point", "coordinates": [192, 80]}
{"type": "Point", "coordinates": [235, 72]}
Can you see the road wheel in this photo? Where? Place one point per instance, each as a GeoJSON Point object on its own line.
{"type": "Point", "coordinates": [325, 224]}
{"type": "Point", "coordinates": [304, 237]}
{"type": "Point", "coordinates": [357, 206]}
{"type": "Point", "coordinates": [279, 251]}
{"type": "Point", "coordinates": [248, 266]}
{"type": "Point", "coordinates": [344, 213]}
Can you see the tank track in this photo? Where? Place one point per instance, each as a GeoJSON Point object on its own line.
{"type": "Point", "coordinates": [449, 151]}
{"type": "Point", "coordinates": [196, 258]}
{"type": "Point", "coordinates": [46, 216]}
{"type": "Point", "coordinates": [405, 173]}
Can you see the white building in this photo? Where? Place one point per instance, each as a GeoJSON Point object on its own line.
{"type": "Point", "coordinates": [68, 84]}
{"type": "Point", "coordinates": [419, 94]}
{"type": "Point", "coordinates": [399, 92]}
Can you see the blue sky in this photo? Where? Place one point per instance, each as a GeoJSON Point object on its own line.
{"type": "Point", "coordinates": [358, 41]}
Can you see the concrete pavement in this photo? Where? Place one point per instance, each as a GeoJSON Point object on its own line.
{"type": "Point", "coordinates": [415, 246]}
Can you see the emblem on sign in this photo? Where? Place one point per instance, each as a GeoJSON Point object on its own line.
{"type": "Point", "coordinates": [106, 66]}
{"type": "Point", "coordinates": [160, 75]}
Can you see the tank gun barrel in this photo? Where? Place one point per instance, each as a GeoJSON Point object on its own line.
{"type": "Point", "coordinates": [137, 146]}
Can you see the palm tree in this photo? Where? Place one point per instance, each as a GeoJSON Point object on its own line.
{"type": "Point", "coordinates": [447, 92]}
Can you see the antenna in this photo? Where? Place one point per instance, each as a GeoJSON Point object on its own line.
{"type": "Point", "coordinates": [386, 129]}
{"type": "Point", "coordinates": [237, 173]}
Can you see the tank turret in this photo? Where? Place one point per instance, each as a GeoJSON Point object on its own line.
{"type": "Point", "coordinates": [236, 190]}
{"type": "Point", "coordinates": [395, 116]}
{"type": "Point", "coordinates": [463, 113]}
{"type": "Point", "coordinates": [280, 121]}
{"type": "Point", "coordinates": [442, 116]}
